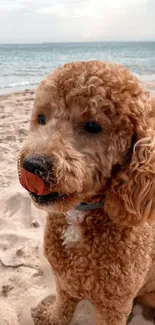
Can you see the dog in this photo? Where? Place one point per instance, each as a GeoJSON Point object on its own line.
{"type": "Point", "coordinates": [91, 154]}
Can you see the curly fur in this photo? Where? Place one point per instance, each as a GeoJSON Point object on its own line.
{"type": "Point", "coordinates": [113, 259]}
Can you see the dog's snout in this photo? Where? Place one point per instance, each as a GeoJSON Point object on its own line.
{"type": "Point", "coordinates": [37, 164]}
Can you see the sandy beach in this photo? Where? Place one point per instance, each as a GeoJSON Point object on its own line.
{"type": "Point", "coordinates": [21, 225]}
{"type": "Point", "coordinates": [24, 272]}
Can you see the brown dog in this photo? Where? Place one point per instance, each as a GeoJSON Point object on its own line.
{"type": "Point", "coordinates": [92, 140]}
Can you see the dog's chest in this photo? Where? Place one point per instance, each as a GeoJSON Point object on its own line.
{"type": "Point", "coordinates": [63, 241]}
{"type": "Point", "coordinates": [90, 264]}
{"type": "Point", "coordinates": [71, 257]}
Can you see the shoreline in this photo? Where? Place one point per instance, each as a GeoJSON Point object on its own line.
{"type": "Point", "coordinates": [13, 90]}
{"type": "Point", "coordinates": [17, 93]}
{"type": "Point", "coordinates": [149, 84]}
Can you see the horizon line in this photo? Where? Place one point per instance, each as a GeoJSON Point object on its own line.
{"type": "Point", "coordinates": [77, 42]}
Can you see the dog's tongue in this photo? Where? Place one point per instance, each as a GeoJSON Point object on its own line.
{"type": "Point", "coordinates": [32, 183]}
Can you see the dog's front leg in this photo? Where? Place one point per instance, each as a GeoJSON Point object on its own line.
{"type": "Point", "coordinates": [113, 314]}
{"type": "Point", "coordinates": [59, 313]}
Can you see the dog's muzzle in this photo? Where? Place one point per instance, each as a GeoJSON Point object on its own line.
{"type": "Point", "coordinates": [37, 165]}
{"type": "Point", "coordinates": [33, 174]}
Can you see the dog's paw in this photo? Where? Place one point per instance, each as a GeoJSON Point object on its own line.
{"type": "Point", "coordinates": [32, 315]}
{"type": "Point", "coordinates": [48, 300]}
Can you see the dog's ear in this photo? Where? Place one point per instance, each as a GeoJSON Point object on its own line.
{"type": "Point", "coordinates": [131, 197]}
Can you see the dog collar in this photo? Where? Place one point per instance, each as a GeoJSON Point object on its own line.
{"type": "Point", "coordinates": [85, 206]}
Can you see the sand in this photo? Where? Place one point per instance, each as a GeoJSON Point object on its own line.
{"type": "Point", "coordinates": [21, 226]}
{"type": "Point", "coordinates": [25, 273]}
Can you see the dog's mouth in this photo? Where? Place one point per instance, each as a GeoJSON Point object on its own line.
{"type": "Point", "coordinates": [41, 192]}
{"type": "Point", "coordinates": [47, 199]}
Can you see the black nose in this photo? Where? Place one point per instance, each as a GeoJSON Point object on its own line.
{"type": "Point", "coordinates": [38, 165]}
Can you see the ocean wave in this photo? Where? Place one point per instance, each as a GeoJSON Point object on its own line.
{"type": "Point", "coordinates": [19, 84]}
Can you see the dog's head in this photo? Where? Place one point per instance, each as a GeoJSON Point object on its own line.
{"type": "Point", "coordinates": [91, 138]}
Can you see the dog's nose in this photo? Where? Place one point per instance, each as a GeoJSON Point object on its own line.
{"type": "Point", "coordinates": [38, 165]}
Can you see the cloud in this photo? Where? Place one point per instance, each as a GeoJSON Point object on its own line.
{"type": "Point", "coordinates": [76, 20]}
{"type": "Point", "coordinates": [10, 5]}
{"type": "Point", "coordinates": [90, 8]}
{"type": "Point", "coordinates": [73, 8]}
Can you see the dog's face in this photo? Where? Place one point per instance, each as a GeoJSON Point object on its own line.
{"type": "Point", "coordinates": [79, 131]}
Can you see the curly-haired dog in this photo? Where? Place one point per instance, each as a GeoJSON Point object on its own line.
{"type": "Point", "coordinates": [91, 147]}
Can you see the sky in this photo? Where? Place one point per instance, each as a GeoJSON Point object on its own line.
{"type": "Point", "coordinates": [31, 21]}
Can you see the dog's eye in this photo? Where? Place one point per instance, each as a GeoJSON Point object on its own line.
{"type": "Point", "coordinates": [42, 119]}
{"type": "Point", "coordinates": [92, 127]}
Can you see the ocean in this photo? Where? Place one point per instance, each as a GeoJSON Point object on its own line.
{"type": "Point", "coordinates": [23, 66]}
